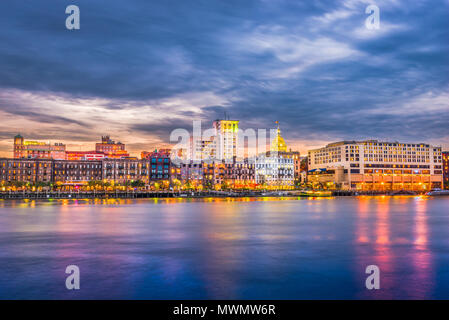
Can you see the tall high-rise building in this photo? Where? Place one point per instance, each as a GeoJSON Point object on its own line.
{"type": "Point", "coordinates": [226, 139]}
{"type": "Point", "coordinates": [375, 165]}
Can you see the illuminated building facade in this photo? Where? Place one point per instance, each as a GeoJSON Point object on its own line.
{"type": "Point", "coordinates": [226, 139]}
{"type": "Point", "coordinates": [37, 150]}
{"type": "Point", "coordinates": [374, 165]}
{"type": "Point", "coordinates": [240, 174]}
{"type": "Point", "coordinates": [160, 164]}
{"type": "Point", "coordinates": [220, 146]}
{"type": "Point", "coordinates": [120, 171]}
{"type": "Point", "coordinates": [216, 175]}
{"type": "Point", "coordinates": [76, 172]}
{"type": "Point", "coordinates": [111, 149]}
{"type": "Point", "coordinates": [84, 155]}
{"type": "Point", "coordinates": [446, 169]}
{"type": "Point", "coordinates": [276, 168]}
{"type": "Point", "coordinates": [278, 143]}
{"type": "Point", "coordinates": [191, 174]}
{"type": "Point", "coordinates": [26, 170]}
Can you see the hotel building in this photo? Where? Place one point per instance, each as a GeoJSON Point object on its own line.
{"type": "Point", "coordinates": [375, 165]}
{"type": "Point", "coordinates": [446, 169]}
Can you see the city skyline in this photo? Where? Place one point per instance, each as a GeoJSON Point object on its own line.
{"type": "Point", "coordinates": [313, 67]}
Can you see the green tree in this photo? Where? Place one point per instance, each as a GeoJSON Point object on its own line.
{"type": "Point", "coordinates": [138, 184]}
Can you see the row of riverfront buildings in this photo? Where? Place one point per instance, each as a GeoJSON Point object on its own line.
{"type": "Point", "coordinates": [214, 163]}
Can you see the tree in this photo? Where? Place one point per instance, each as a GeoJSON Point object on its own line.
{"type": "Point", "coordinates": [138, 184]}
{"type": "Point", "coordinates": [127, 184]}
{"type": "Point", "coordinates": [18, 184]}
{"type": "Point", "coordinates": [188, 185]}
{"type": "Point", "coordinates": [176, 184]}
{"type": "Point", "coordinates": [224, 185]}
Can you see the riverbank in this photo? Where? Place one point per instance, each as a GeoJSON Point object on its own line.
{"type": "Point", "coordinates": [183, 194]}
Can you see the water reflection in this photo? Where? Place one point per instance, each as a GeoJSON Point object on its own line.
{"type": "Point", "coordinates": [393, 233]}
{"type": "Point", "coordinates": [225, 248]}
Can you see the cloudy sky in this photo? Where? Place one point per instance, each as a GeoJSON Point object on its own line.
{"type": "Point", "coordinates": [138, 69]}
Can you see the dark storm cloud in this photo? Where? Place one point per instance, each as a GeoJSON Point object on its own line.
{"type": "Point", "coordinates": [311, 65]}
{"type": "Point", "coordinates": [163, 128]}
{"type": "Point", "coordinates": [17, 108]}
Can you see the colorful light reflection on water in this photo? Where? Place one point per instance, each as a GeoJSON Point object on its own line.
{"type": "Point", "coordinates": [226, 248]}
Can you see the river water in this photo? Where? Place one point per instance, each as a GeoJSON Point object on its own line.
{"type": "Point", "coordinates": [243, 248]}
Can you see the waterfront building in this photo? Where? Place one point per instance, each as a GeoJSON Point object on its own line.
{"type": "Point", "coordinates": [111, 149]}
{"type": "Point", "coordinates": [276, 168]}
{"type": "Point", "coordinates": [303, 167]}
{"type": "Point", "coordinates": [119, 171]}
{"type": "Point", "coordinates": [446, 169]}
{"type": "Point", "coordinates": [214, 174]}
{"type": "Point", "coordinates": [375, 165]}
{"type": "Point", "coordinates": [26, 170]}
{"type": "Point", "coordinates": [84, 155]}
{"type": "Point", "coordinates": [296, 156]}
{"type": "Point", "coordinates": [240, 174]}
{"type": "Point", "coordinates": [148, 154]}
{"type": "Point", "coordinates": [190, 174]}
{"type": "Point", "coordinates": [222, 174]}
{"type": "Point", "coordinates": [76, 172]}
{"type": "Point", "coordinates": [160, 163]}
{"type": "Point", "coordinates": [217, 175]}
{"type": "Point", "coordinates": [37, 150]}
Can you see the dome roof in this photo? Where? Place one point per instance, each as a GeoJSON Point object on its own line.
{"type": "Point", "coordinates": [278, 144]}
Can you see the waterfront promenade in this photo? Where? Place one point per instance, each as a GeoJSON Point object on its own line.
{"type": "Point", "coordinates": [180, 194]}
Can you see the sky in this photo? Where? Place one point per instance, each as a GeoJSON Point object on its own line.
{"type": "Point", "coordinates": [138, 69]}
